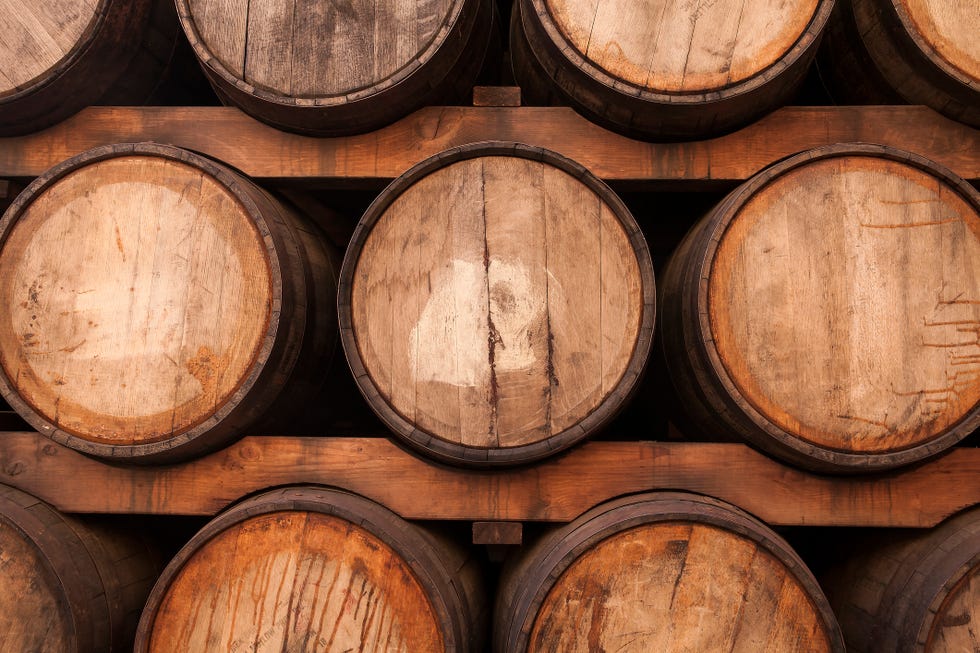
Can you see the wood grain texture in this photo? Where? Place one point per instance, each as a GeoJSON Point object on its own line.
{"type": "Point", "coordinates": [682, 46]}
{"type": "Point", "coordinates": [496, 302]}
{"type": "Point", "coordinates": [553, 490]}
{"type": "Point", "coordinates": [665, 69]}
{"type": "Point", "coordinates": [314, 570]}
{"type": "Point", "coordinates": [950, 29]}
{"type": "Point", "coordinates": [832, 313]}
{"type": "Point", "coordinates": [69, 584]}
{"type": "Point", "coordinates": [821, 275]}
{"type": "Point", "coordinates": [662, 572]}
{"type": "Point", "coordinates": [911, 591]}
{"type": "Point", "coordinates": [157, 304]}
{"type": "Point", "coordinates": [137, 293]}
{"type": "Point", "coordinates": [36, 36]}
{"type": "Point", "coordinates": [337, 68]}
{"type": "Point", "coordinates": [376, 158]}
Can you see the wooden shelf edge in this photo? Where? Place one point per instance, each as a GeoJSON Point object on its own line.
{"type": "Point", "coordinates": [377, 157]}
{"type": "Point", "coordinates": [556, 490]}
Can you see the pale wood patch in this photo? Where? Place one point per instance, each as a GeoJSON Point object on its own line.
{"type": "Point", "coordinates": [135, 296]}
{"type": "Point", "coordinates": [310, 48]}
{"type": "Point", "coordinates": [844, 302]}
{"type": "Point", "coordinates": [677, 586]}
{"type": "Point", "coordinates": [478, 302]}
{"type": "Point", "coordinates": [951, 28]}
{"type": "Point", "coordinates": [34, 613]}
{"type": "Point", "coordinates": [954, 627]}
{"type": "Point", "coordinates": [35, 35]}
{"type": "Point", "coordinates": [295, 581]}
{"type": "Point", "coordinates": [682, 45]}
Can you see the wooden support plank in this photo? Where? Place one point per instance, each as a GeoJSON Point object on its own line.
{"type": "Point", "coordinates": [556, 490]}
{"type": "Point", "coordinates": [498, 533]}
{"type": "Point", "coordinates": [266, 153]}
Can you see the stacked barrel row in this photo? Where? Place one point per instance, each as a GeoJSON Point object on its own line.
{"type": "Point", "coordinates": [496, 306]}
{"type": "Point", "coordinates": [660, 69]}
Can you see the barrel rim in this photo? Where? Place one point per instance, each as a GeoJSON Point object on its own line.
{"type": "Point", "coordinates": [207, 59]}
{"type": "Point", "coordinates": [928, 52]}
{"type": "Point", "coordinates": [415, 551]}
{"type": "Point", "coordinates": [78, 51]}
{"type": "Point", "coordinates": [806, 42]}
{"type": "Point", "coordinates": [476, 456]}
{"type": "Point", "coordinates": [265, 347]}
{"type": "Point", "coordinates": [548, 561]}
{"type": "Point", "coordinates": [781, 441]}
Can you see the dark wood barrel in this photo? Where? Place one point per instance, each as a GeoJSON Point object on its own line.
{"type": "Point", "coordinates": [496, 304]}
{"type": "Point", "coordinates": [67, 585]}
{"type": "Point", "coordinates": [828, 311]}
{"type": "Point", "coordinates": [915, 51]}
{"type": "Point", "coordinates": [662, 572]}
{"type": "Point", "coordinates": [665, 70]}
{"type": "Point", "coordinates": [306, 568]}
{"type": "Point", "coordinates": [909, 591]}
{"type": "Point", "coordinates": [338, 68]}
{"type": "Point", "coordinates": [59, 56]}
{"type": "Point", "coordinates": [156, 304]}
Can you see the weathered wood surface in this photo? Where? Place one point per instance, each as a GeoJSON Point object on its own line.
{"type": "Point", "coordinates": [662, 572]}
{"type": "Point", "coordinates": [156, 303]}
{"type": "Point", "coordinates": [498, 300]}
{"type": "Point", "coordinates": [556, 490]}
{"type": "Point", "coordinates": [266, 153]}
{"type": "Point", "coordinates": [911, 592]}
{"type": "Point", "coordinates": [314, 569]}
{"type": "Point", "coordinates": [835, 300]}
{"type": "Point", "coordinates": [665, 69]}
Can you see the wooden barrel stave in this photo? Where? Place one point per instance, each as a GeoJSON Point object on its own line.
{"type": "Point", "coordinates": [69, 585]}
{"type": "Point", "coordinates": [615, 577]}
{"type": "Point", "coordinates": [278, 354]}
{"type": "Point", "coordinates": [539, 354]}
{"type": "Point", "coordinates": [713, 386]}
{"type": "Point", "coordinates": [425, 590]}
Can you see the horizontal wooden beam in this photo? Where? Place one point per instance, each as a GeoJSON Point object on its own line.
{"type": "Point", "coordinates": [556, 490]}
{"type": "Point", "coordinates": [270, 154]}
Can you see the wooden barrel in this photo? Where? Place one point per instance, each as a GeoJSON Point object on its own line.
{"type": "Point", "coordinates": [828, 310]}
{"type": "Point", "coordinates": [59, 56]}
{"type": "Point", "coordinates": [665, 69]}
{"type": "Point", "coordinates": [306, 568]}
{"type": "Point", "coordinates": [155, 303]}
{"type": "Point", "coordinates": [916, 51]}
{"type": "Point", "coordinates": [68, 586]}
{"type": "Point", "coordinates": [496, 304]}
{"type": "Point", "coordinates": [912, 590]}
{"type": "Point", "coordinates": [662, 572]}
{"type": "Point", "coordinates": [332, 69]}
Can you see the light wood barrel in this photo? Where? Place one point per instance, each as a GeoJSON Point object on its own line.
{"type": "Point", "coordinates": [828, 311]}
{"type": "Point", "coordinates": [332, 69]}
{"type": "Point", "coordinates": [68, 586]}
{"type": "Point", "coordinates": [315, 569]}
{"type": "Point", "coordinates": [496, 304]}
{"type": "Point", "coordinates": [665, 69]}
{"type": "Point", "coordinates": [662, 572]}
{"type": "Point", "coordinates": [912, 590]}
{"type": "Point", "coordinates": [916, 51]}
{"type": "Point", "coordinates": [154, 304]}
{"type": "Point", "coordinates": [58, 56]}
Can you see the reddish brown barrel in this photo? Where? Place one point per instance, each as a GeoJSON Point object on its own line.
{"type": "Point", "coordinates": [155, 303]}
{"type": "Point", "coordinates": [916, 51]}
{"type": "Point", "coordinates": [331, 69]}
{"type": "Point", "coordinates": [912, 590]}
{"type": "Point", "coordinates": [66, 585]}
{"type": "Point", "coordinates": [58, 56]}
{"type": "Point", "coordinates": [828, 311]}
{"type": "Point", "coordinates": [662, 572]}
{"type": "Point", "coordinates": [665, 69]}
{"type": "Point", "coordinates": [496, 304]}
{"type": "Point", "coordinates": [315, 569]}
